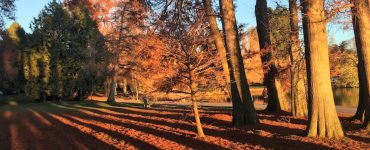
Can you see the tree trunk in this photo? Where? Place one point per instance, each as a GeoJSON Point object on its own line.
{"type": "Point", "coordinates": [298, 89]}
{"type": "Point", "coordinates": [220, 46]}
{"type": "Point", "coordinates": [361, 25]}
{"type": "Point", "coordinates": [124, 88]}
{"type": "Point", "coordinates": [362, 103]}
{"type": "Point", "coordinates": [195, 109]}
{"type": "Point", "coordinates": [137, 90]}
{"type": "Point", "coordinates": [107, 86]}
{"type": "Point", "coordinates": [322, 120]}
{"type": "Point", "coordinates": [193, 88]}
{"type": "Point", "coordinates": [197, 119]}
{"type": "Point", "coordinates": [112, 90]}
{"type": "Point", "coordinates": [276, 95]}
{"type": "Point", "coordinates": [243, 108]}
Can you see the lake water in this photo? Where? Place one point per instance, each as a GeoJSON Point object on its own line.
{"type": "Point", "coordinates": [346, 96]}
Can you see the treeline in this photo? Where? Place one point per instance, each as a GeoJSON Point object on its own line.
{"type": "Point", "coordinates": [63, 58]}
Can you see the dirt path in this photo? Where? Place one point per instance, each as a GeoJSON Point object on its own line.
{"type": "Point", "coordinates": [95, 125]}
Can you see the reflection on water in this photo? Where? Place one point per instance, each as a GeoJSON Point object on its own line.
{"type": "Point", "coordinates": [346, 96]}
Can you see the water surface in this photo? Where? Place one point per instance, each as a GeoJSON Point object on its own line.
{"type": "Point", "coordinates": [347, 97]}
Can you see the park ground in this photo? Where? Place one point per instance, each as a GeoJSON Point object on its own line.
{"type": "Point", "coordinates": [99, 125]}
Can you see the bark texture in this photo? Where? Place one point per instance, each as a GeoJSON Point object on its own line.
{"type": "Point", "coordinates": [322, 120]}
{"type": "Point", "coordinates": [361, 25]}
{"type": "Point", "coordinates": [243, 108]}
{"type": "Point", "coordinates": [276, 95]}
{"type": "Point", "coordinates": [298, 89]}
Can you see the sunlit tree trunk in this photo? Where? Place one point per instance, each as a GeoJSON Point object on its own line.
{"type": "Point", "coordinates": [195, 104]}
{"type": "Point", "coordinates": [220, 46]}
{"type": "Point", "coordinates": [243, 108]}
{"type": "Point", "coordinates": [298, 89]}
{"type": "Point", "coordinates": [361, 25]}
{"type": "Point", "coordinates": [107, 85]}
{"type": "Point", "coordinates": [276, 95]}
{"type": "Point", "coordinates": [124, 88]}
{"type": "Point", "coordinates": [136, 84]}
{"type": "Point", "coordinates": [322, 119]}
{"type": "Point", "coordinates": [112, 90]}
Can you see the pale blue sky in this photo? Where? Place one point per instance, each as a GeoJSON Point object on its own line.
{"type": "Point", "coordinates": [28, 9]}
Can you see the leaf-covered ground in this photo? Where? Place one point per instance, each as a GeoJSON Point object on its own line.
{"type": "Point", "coordinates": [99, 125]}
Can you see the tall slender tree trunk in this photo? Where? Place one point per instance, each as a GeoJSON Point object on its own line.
{"type": "Point", "coordinates": [220, 46]}
{"type": "Point", "coordinates": [243, 108]}
{"type": "Point", "coordinates": [136, 87]}
{"type": "Point", "coordinates": [112, 89]}
{"type": "Point", "coordinates": [276, 95]}
{"type": "Point", "coordinates": [322, 120]}
{"type": "Point", "coordinates": [362, 103]}
{"type": "Point", "coordinates": [106, 86]}
{"type": "Point", "coordinates": [361, 25]}
{"type": "Point", "coordinates": [124, 88]}
{"type": "Point", "coordinates": [195, 105]}
{"type": "Point", "coordinates": [298, 89]}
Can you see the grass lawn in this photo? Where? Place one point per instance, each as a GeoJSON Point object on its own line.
{"type": "Point", "coordinates": [100, 125]}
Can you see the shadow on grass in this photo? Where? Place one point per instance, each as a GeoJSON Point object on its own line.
{"type": "Point", "coordinates": [359, 138]}
{"type": "Point", "coordinates": [148, 121]}
{"type": "Point", "coordinates": [72, 136]}
{"type": "Point", "coordinates": [181, 139]}
{"type": "Point", "coordinates": [235, 135]}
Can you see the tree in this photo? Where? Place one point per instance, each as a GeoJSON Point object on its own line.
{"type": "Point", "coordinates": [298, 89]}
{"type": "Point", "coordinates": [243, 108]}
{"type": "Point", "coordinates": [189, 54]}
{"type": "Point", "coordinates": [63, 49]}
{"type": "Point", "coordinates": [361, 24]}
{"type": "Point", "coordinates": [10, 53]}
{"type": "Point", "coordinates": [343, 65]}
{"type": "Point", "coordinates": [100, 11]}
{"type": "Point", "coordinates": [128, 25]}
{"type": "Point", "coordinates": [218, 40]}
{"type": "Point", "coordinates": [7, 9]}
{"type": "Point", "coordinates": [276, 100]}
{"type": "Point", "coordinates": [322, 120]}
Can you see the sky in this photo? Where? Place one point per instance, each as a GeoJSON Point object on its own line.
{"type": "Point", "coordinates": [28, 9]}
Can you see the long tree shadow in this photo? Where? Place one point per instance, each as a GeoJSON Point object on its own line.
{"type": "Point", "coordinates": [76, 137]}
{"type": "Point", "coordinates": [135, 142]}
{"type": "Point", "coordinates": [5, 140]}
{"type": "Point", "coordinates": [281, 115]}
{"type": "Point", "coordinates": [205, 120]}
{"type": "Point", "coordinates": [230, 134]}
{"type": "Point", "coordinates": [46, 133]}
{"type": "Point", "coordinates": [359, 138]}
{"type": "Point", "coordinates": [349, 124]}
{"type": "Point", "coordinates": [185, 140]}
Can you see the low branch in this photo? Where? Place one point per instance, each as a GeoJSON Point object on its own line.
{"type": "Point", "coordinates": [330, 16]}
